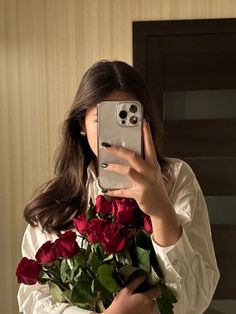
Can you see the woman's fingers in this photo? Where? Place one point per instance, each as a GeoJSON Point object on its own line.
{"type": "Point", "coordinates": [121, 193]}
{"type": "Point", "coordinates": [152, 293]}
{"type": "Point", "coordinates": [149, 149]}
{"type": "Point", "coordinates": [149, 295]}
{"type": "Point", "coordinates": [128, 171]}
{"type": "Point", "coordinates": [134, 177]}
{"type": "Point", "coordinates": [135, 161]}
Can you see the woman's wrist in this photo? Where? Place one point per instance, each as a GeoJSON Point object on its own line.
{"type": "Point", "coordinates": [166, 228]}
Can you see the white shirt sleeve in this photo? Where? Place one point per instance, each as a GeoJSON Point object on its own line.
{"type": "Point", "coordinates": [36, 299]}
{"type": "Point", "coordinates": [189, 266]}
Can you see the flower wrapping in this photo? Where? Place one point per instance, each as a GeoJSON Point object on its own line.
{"type": "Point", "coordinates": [115, 248]}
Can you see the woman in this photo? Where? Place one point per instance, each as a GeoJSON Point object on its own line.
{"type": "Point", "coordinates": [166, 189]}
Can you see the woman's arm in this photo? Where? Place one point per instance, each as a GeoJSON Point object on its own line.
{"type": "Point", "coordinates": [180, 223]}
{"type": "Point", "coordinates": [189, 266]}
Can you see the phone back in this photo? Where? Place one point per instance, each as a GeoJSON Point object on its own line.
{"type": "Point", "coordinates": [119, 123]}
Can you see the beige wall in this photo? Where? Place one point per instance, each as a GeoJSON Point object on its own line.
{"type": "Point", "coordinates": [45, 46]}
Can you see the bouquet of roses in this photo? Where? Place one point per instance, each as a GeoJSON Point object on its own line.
{"type": "Point", "coordinates": [115, 247]}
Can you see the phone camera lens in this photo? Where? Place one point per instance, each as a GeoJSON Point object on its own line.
{"type": "Point", "coordinates": [133, 120]}
{"type": "Point", "coordinates": [133, 108]}
{"type": "Point", "coordinates": [123, 114]}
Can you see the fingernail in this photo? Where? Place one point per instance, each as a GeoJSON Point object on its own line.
{"type": "Point", "coordinates": [104, 144]}
{"type": "Point", "coordinates": [104, 190]}
{"type": "Point", "coordinates": [104, 165]}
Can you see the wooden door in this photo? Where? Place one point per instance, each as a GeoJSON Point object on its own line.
{"type": "Point", "coordinates": [196, 59]}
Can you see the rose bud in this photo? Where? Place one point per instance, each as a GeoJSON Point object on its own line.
{"type": "Point", "coordinates": [46, 253]}
{"type": "Point", "coordinates": [66, 245]}
{"type": "Point", "coordinates": [80, 223]}
{"type": "Point", "coordinates": [103, 206]}
{"type": "Point", "coordinates": [147, 224]}
{"type": "Point", "coordinates": [126, 211]}
{"type": "Point", "coordinates": [95, 229]}
{"type": "Point", "coordinates": [27, 271]}
{"type": "Point", "coordinates": [113, 240]}
{"type": "Point", "coordinates": [99, 200]}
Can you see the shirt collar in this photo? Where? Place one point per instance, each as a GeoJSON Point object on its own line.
{"type": "Point", "coordinates": [91, 171]}
{"type": "Point", "coordinates": [93, 185]}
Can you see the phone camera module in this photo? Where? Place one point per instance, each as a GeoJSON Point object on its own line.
{"type": "Point", "coordinates": [133, 120]}
{"type": "Point", "coordinates": [123, 114]}
{"type": "Point", "coordinates": [133, 108]}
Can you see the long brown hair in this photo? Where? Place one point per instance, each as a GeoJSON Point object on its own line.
{"type": "Point", "coordinates": [62, 198]}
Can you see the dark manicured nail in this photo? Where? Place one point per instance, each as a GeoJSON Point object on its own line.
{"type": "Point", "coordinates": [104, 190]}
{"type": "Point", "coordinates": [104, 144]}
{"type": "Point", "coordinates": [104, 165]}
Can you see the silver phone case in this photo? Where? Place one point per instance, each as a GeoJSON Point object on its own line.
{"type": "Point", "coordinates": [113, 133]}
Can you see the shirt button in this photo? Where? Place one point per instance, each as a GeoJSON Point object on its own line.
{"type": "Point", "coordinates": [175, 262]}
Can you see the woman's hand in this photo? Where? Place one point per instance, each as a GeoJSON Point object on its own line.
{"type": "Point", "coordinates": [148, 188]}
{"type": "Point", "coordinates": [128, 302]}
{"type": "Point", "coordinates": [145, 175]}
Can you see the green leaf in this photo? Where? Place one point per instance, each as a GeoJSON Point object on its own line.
{"type": "Point", "coordinates": [153, 278]}
{"type": "Point", "coordinates": [43, 277]}
{"type": "Point", "coordinates": [95, 262]}
{"type": "Point", "coordinates": [101, 290]}
{"type": "Point", "coordinates": [76, 278]}
{"type": "Point", "coordinates": [127, 271]}
{"type": "Point", "coordinates": [67, 295]}
{"type": "Point", "coordinates": [81, 292]}
{"type": "Point", "coordinates": [97, 249]}
{"type": "Point", "coordinates": [165, 303]}
{"type": "Point", "coordinates": [143, 259]}
{"type": "Point", "coordinates": [56, 292]}
{"type": "Point", "coordinates": [74, 261]}
{"type": "Point", "coordinates": [105, 276]}
{"type": "Point", "coordinates": [82, 257]}
{"type": "Point", "coordinates": [144, 241]}
{"type": "Point", "coordinates": [65, 271]}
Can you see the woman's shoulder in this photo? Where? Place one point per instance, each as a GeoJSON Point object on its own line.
{"type": "Point", "coordinates": [38, 232]}
{"type": "Point", "coordinates": [184, 190]}
{"type": "Point", "coordinates": [180, 174]}
{"type": "Point", "coordinates": [179, 167]}
{"type": "Point", "coordinates": [34, 237]}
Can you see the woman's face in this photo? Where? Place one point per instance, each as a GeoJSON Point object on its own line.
{"type": "Point", "coordinates": [91, 117]}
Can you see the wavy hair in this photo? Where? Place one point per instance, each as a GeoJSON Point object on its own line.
{"type": "Point", "coordinates": [62, 198]}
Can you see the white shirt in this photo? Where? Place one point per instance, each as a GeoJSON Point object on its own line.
{"type": "Point", "coordinates": [189, 266]}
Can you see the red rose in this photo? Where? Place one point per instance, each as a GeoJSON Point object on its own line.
{"type": "Point", "coordinates": [66, 245]}
{"type": "Point", "coordinates": [126, 211]}
{"type": "Point", "coordinates": [27, 271]}
{"type": "Point", "coordinates": [147, 224]}
{"type": "Point", "coordinates": [95, 229]}
{"type": "Point", "coordinates": [46, 253]}
{"type": "Point", "coordinates": [99, 200]}
{"type": "Point", "coordinates": [80, 223]}
{"type": "Point", "coordinates": [103, 206]}
{"type": "Point", "coordinates": [114, 237]}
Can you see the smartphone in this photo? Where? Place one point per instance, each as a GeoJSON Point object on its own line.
{"type": "Point", "coordinates": [119, 123]}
